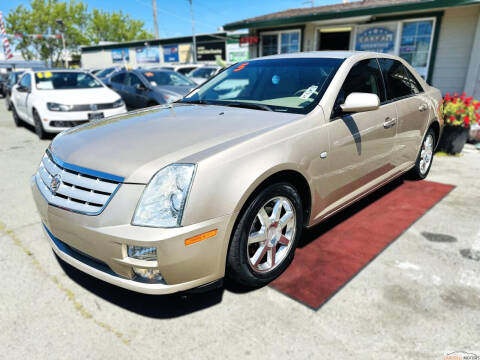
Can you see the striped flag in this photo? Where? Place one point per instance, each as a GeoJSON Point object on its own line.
{"type": "Point", "coordinates": [6, 43]}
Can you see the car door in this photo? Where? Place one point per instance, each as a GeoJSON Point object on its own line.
{"type": "Point", "coordinates": [361, 143]}
{"type": "Point", "coordinates": [117, 83]}
{"type": "Point", "coordinates": [136, 97]}
{"type": "Point", "coordinates": [21, 95]}
{"type": "Point", "coordinates": [412, 107]}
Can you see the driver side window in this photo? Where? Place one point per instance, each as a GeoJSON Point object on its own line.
{"type": "Point", "coordinates": [132, 80]}
{"type": "Point", "coordinates": [25, 82]}
{"type": "Point", "coordinates": [365, 77]}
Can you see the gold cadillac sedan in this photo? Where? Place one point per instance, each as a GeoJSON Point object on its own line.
{"type": "Point", "coordinates": [222, 182]}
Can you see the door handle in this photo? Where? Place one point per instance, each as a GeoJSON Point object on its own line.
{"type": "Point", "coordinates": [389, 122]}
{"type": "Point", "coordinates": [423, 107]}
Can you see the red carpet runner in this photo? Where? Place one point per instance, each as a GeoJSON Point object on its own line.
{"type": "Point", "coordinates": [327, 263]}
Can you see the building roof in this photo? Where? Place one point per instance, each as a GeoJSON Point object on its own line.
{"type": "Point", "coordinates": [349, 9]}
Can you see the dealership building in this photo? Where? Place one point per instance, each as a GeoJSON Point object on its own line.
{"type": "Point", "coordinates": [440, 38]}
{"type": "Point", "coordinates": [209, 47]}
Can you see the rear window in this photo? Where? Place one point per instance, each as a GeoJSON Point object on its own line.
{"type": "Point", "coordinates": [64, 80]}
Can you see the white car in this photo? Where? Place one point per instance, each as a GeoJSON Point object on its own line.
{"type": "Point", "coordinates": [182, 69]}
{"type": "Point", "coordinates": [56, 100]}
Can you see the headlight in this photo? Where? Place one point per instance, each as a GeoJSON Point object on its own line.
{"type": "Point", "coordinates": [58, 107]}
{"type": "Point", "coordinates": [163, 200]}
{"type": "Point", "coordinates": [118, 103]}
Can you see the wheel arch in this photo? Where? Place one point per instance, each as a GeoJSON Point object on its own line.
{"type": "Point", "coordinates": [435, 126]}
{"type": "Point", "coordinates": [288, 175]}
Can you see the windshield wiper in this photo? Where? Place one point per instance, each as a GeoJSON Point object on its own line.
{"type": "Point", "coordinates": [201, 102]}
{"type": "Point", "coordinates": [248, 105]}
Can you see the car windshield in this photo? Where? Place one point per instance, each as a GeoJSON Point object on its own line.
{"type": "Point", "coordinates": [105, 72]}
{"type": "Point", "coordinates": [290, 85]}
{"type": "Point", "coordinates": [203, 72]}
{"type": "Point", "coordinates": [63, 80]}
{"type": "Point", "coordinates": [170, 78]}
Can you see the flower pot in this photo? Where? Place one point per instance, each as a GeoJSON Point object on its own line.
{"type": "Point", "coordinates": [453, 139]}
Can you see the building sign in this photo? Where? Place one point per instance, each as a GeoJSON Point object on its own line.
{"type": "Point", "coordinates": [249, 40]}
{"type": "Point", "coordinates": [208, 51]}
{"type": "Point", "coordinates": [120, 55]}
{"type": "Point", "coordinates": [147, 54]}
{"type": "Point", "coordinates": [236, 52]}
{"type": "Point", "coordinates": [378, 38]}
{"type": "Point", "coordinates": [170, 53]}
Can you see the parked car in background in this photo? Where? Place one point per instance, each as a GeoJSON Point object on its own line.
{"type": "Point", "coordinates": [182, 69]}
{"type": "Point", "coordinates": [143, 88]}
{"type": "Point", "coordinates": [53, 101]}
{"type": "Point", "coordinates": [104, 74]}
{"type": "Point", "coordinates": [3, 84]}
{"type": "Point", "coordinates": [203, 73]}
{"type": "Point", "coordinates": [224, 182]}
{"type": "Point", "coordinates": [12, 80]}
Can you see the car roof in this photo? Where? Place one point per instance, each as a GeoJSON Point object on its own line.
{"type": "Point", "coordinates": [325, 54]}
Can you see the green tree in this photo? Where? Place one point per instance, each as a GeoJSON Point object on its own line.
{"type": "Point", "coordinates": [115, 26]}
{"type": "Point", "coordinates": [41, 18]}
{"type": "Point", "coordinates": [80, 28]}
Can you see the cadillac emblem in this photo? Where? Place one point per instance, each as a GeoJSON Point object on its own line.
{"type": "Point", "coordinates": [55, 184]}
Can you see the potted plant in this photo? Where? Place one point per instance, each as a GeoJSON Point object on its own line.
{"type": "Point", "coordinates": [459, 112]}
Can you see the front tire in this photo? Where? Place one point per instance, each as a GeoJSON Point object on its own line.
{"type": "Point", "coordinates": [39, 130]}
{"type": "Point", "coordinates": [266, 236]}
{"type": "Point", "coordinates": [16, 119]}
{"type": "Point", "coordinates": [424, 158]}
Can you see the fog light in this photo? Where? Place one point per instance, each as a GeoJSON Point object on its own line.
{"type": "Point", "coordinates": [142, 253]}
{"type": "Point", "coordinates": [150, 275]}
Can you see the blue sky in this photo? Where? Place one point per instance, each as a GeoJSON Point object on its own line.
{"type": "Point", "coordinates": [174, 15]}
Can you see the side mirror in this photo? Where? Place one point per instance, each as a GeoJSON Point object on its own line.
{"type": "Point", "coordinates": [140, 87]}
{"type": "Point", "coordinates": [21, 88]}
{"type": "Point", "coordinates": [359, 102]}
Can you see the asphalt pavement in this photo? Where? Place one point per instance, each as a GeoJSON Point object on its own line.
{"type": "Point", "coordinates": [419, 299]}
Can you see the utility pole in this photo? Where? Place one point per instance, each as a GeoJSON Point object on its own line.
{"type": "Point", "coordinates": [155, 19]}
{"type": "Point", "coordinates": [62, 27]}
{"type": "Point", "coordinates": [194, 49]}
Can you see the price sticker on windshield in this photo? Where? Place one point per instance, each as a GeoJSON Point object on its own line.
{"type": "Point", "coordinates": [307, 93]}
{"type": "Point", "coordinates": [149, 74]}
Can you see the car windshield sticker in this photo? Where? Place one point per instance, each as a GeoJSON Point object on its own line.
{"type": "Point", "coordinates": [307, 93]}
{"type": "Point", "coordinates": [275, 79]}
{"type": "Point", "coordinates": [149, 74]}
{"type": "Point", "coordinates": [40, 75]}
{"type": "Point", "coordinates": [45, 85]}
{"type": "Point", "coordinates": [241, 66]}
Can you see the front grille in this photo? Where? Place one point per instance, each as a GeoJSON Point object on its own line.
{"type": "Point", "coordinates": [67, 123]}
{"type": "Point", "coordinates": [88, 107]}
{"type": "Point", "coordinates": [63, 186]}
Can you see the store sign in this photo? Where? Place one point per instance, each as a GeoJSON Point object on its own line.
{"type": "Point", "coordinates": [236, 52]}
{"type": "Point", "coordinates": [208, 51]}
{"type": "Point", "coordinates": [170, 53]}
{"type": "Point", "coordinates": [147, 54]}
{"type": "Point", "coordinates": [250, 40]}
{"type": "Point", "coordinates": [120, 55]}
{"type": "Point", "coordinates": [376, 38]}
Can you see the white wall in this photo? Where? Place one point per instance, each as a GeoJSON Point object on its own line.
{"type": "Point", "coordinates": [454, 48]}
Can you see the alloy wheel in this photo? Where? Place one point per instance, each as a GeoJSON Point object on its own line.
{"type": "Point", "coordinates": [426, 154]}
{"type": "Point", "coordinates": [271, 234]}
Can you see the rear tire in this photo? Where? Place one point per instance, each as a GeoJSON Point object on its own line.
{"type": "Point", "coordinates": [39, 130]}
{"type": "Point", "coordinates": [265, 238]}
{"type": "Point", "coordinates": [424, 158]}
{"type": "Point", "coordinates": [16, 118]}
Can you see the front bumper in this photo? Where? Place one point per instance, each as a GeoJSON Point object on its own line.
{"type": "Point", "coordinates": [96, 245]}
{"type": "Point", "coordinates": [56, 121]}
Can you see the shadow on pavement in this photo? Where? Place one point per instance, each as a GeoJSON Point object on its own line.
{"type": "Point", "coordinates": [176, 305]}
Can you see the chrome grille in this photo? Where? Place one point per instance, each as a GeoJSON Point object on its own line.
{"type": "Point", "coordinates": [73, 190]}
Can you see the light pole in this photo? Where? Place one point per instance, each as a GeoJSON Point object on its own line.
{"type": "Point", "coordinates": [62, 29]}
{"type": "Point", "coordinates": [194, 50]}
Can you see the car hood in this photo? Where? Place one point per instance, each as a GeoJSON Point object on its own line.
{"type": "Point", "coordinates": [79, 96]}
{"type": "Point", "coordinates": [135, 146]}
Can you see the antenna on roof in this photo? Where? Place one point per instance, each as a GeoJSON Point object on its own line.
{"type": "Point", "coordinates": [311, 2]}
